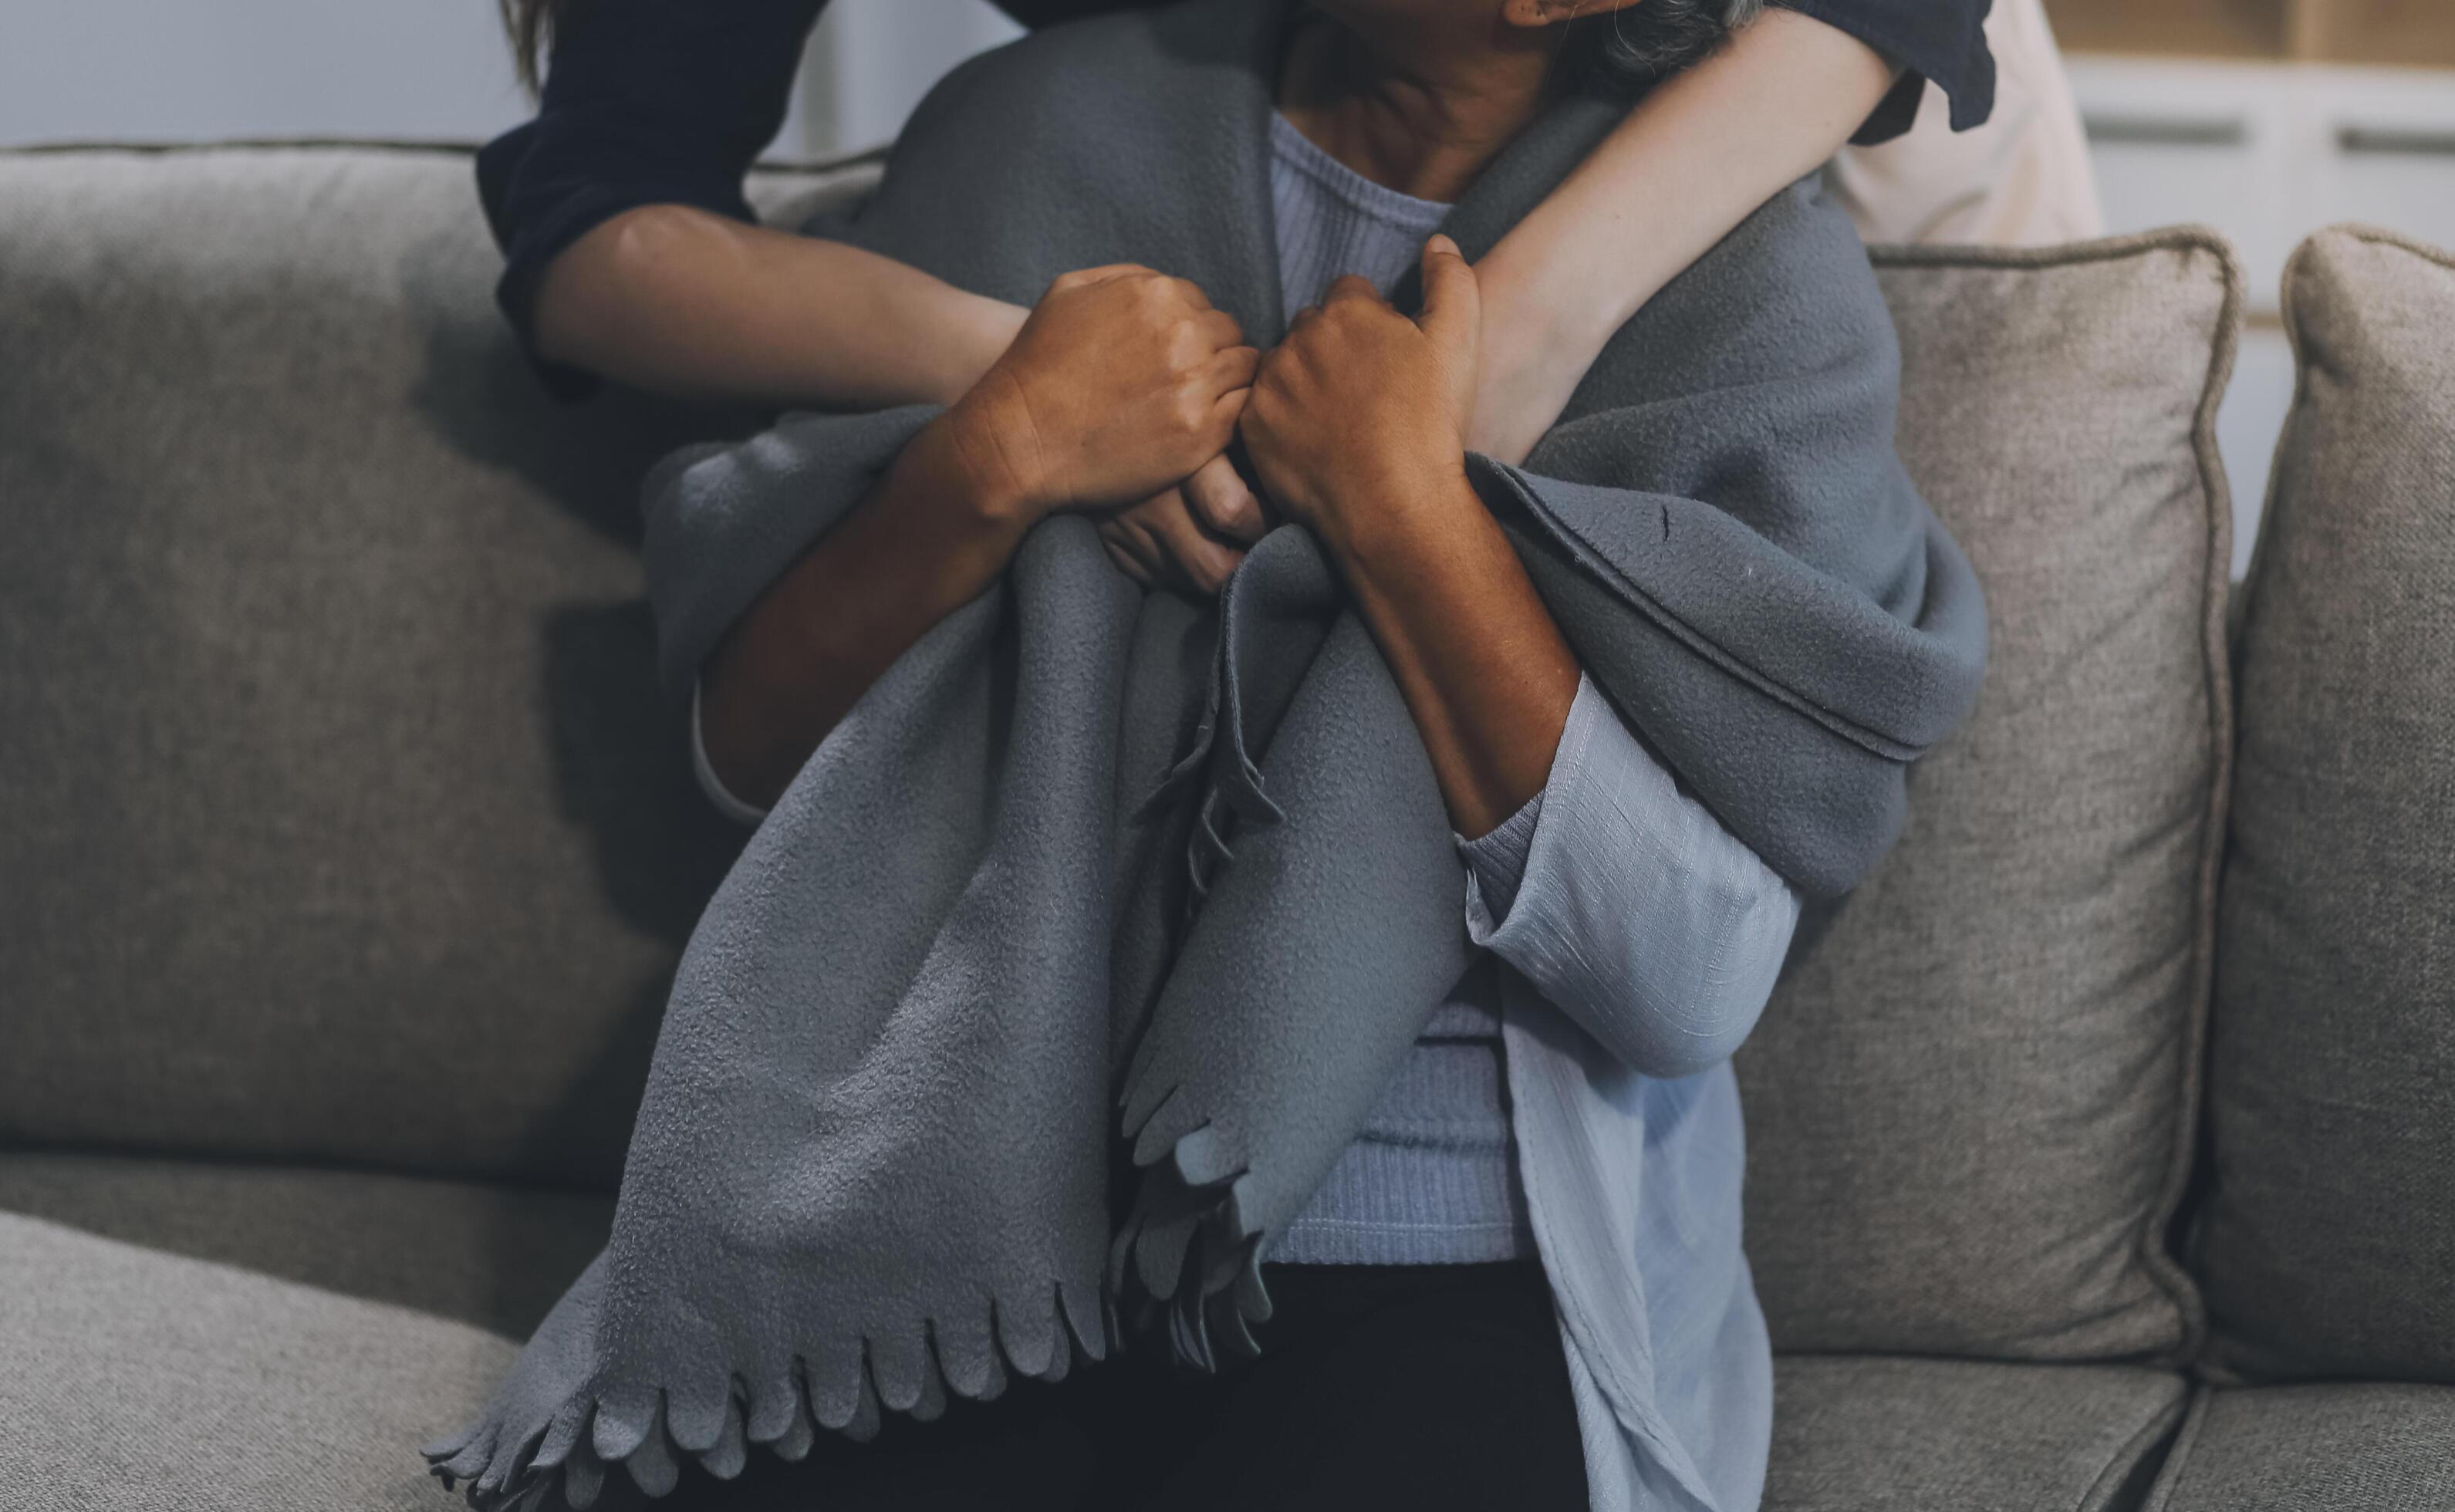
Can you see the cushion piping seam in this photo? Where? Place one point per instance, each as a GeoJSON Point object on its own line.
{"type": "Point", "coordinates": [2185, 238]}
{"type": "Point", "coordinates": [2367, 236]}
{"type": "Point", "coordinates": [2163, 1270]}
{"type": "Point", "coordinates": [2170, 1475]}
{"type": "Point", "coordinates": [2382, 237]}
{"type": "Point", "coordinates": [2216, 497]}
{"type": "Point", "coordinates": [2128, 1452]}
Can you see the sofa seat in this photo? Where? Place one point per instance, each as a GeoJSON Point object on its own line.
{"type": "Point", "coordinates": [1866, 1433]}
{"type": "Point", "coordinates": [197, 1336]}
{"type": "Point", "coordinates": [150, 1382]}
{"type": "Point", "coordinates": [492, 1257]}
{"type": "Point", "coordinates": [2380, 1448]}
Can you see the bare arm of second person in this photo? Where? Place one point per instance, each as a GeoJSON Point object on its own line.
{"type": "Point", "coordinates": [1121, 381]}
{"type": "Point", "coordinates": [683, 302]}
{"type": "Point", "coordinates": [1694, 157]}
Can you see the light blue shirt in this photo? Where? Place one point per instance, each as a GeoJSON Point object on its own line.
{"type": "Point", "coordinates": [1638, 952]}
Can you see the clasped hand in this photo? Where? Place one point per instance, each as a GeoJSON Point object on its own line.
{"type": "Point", "coordinates": [1124, 389]}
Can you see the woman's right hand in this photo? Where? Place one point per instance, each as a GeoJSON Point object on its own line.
{"type": "Point", "coordinates": [1122, 382]}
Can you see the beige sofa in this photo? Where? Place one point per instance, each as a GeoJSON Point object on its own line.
{"type": "Point", "coordinates": [2103, 1146]}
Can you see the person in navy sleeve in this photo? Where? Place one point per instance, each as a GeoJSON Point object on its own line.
{"type": "Point", "coordinates": [1416, 1357]}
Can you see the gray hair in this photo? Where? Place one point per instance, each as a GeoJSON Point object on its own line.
{"type": "Point", "coordinates": [1639, 44]}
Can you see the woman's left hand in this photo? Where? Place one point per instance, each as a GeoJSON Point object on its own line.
{"type": "Point", "coordinates": [1362, 413]}
{"type": "Point", "coordinates": [1357, 425]}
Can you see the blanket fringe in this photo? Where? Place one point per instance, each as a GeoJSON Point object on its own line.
{"type": "Point", "coordinates": [649, 1431]}
{"type": "Point", "coordinates": [1189, 1255]}
{"type": "Point", "coordinates": [1218, 762]}
{"type": "Point", "coordinates": [1189, 1249]}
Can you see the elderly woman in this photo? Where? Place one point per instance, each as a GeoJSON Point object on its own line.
{"type": "Point", "coordinates": [1408, 906]}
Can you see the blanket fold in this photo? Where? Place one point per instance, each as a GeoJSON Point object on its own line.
{"type": "Point", "coordinates": [1068, 964]}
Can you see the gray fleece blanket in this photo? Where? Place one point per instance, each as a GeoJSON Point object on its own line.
{"type": "Point", "coordinates": [1065, 968]}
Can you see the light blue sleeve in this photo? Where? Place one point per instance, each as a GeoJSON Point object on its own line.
{"type": "Point", "coordinates": [709, 784]}
{"type": "Point", "coordinates": [1628, 905]}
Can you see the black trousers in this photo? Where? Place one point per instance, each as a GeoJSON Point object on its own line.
{"type": "Point", "coordinates": [1424, 1387]}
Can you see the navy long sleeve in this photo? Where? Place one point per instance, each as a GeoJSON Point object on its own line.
{"type": "Point", "coordinates": [670, 101]}
{"type": "Point", "coordinates": [646, 102]}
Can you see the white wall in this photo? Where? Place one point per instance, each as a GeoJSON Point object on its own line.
{"type": "Point", "coordinates": [872, 60]}
{"type": "Point", "coordinates": [193, 70]}
{"type": "Point", "coordinates": [177, 71]}
{"type": "Point", "coordinates": [2268, 153]}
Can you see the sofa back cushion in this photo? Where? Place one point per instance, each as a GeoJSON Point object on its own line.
{"type": "Point", "coordinates": [339, 816]}
{"type": "Point", "coordinates": [1969, 1103]}
{"type": "Point", "coordinates": [2328, 1241]}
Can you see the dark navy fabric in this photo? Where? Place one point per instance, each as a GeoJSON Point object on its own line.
{"type": "Point", "coordinates": [1439, 1388]}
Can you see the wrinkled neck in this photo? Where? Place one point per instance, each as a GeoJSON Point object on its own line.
{"type": "Point", "coordinates": [1423, 110]}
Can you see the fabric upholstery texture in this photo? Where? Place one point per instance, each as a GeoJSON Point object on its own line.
{"type": "Point", "coordinates": [2378, 1448]}
{"type": "Point", "coordinates": [331, 745]}
{"type": "Point", "coordinates": [147, 1383]}
{"type": "Point", "coordinates": [1970, 1103]}
{"type": "Point", "coordinates": [493, 1257]}
{"type": "Point", "coordinates": [1868, 1434]}
{"type": "Point", "coordinates": [2328, 1241]}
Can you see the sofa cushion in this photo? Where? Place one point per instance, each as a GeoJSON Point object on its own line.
{"type": "Point", "coordinates": [1870, 1434]}
{"type": "Point", "coordinates": [2374, 1448]}
{"type": "Point", "coordinates": [2328, 1242]}
{"type": "Point", "coordinates": [1970, 1102]}
{"type": "Point", "coordinates": [339, 815]}
{"type": "Point", "coordinates": [494, 1257]}
{"type": "Point", "coordinates": [133, 1379]}
{"type": "Point", "coordinates": [329, 731]}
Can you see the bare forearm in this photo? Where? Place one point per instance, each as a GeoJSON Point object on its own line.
{"type": "Point", "coordinates": [1693, 158]}
{"type": "Point", "coordinates": [933, 533]}
{"type": "Point", "coordinates": [1484, 667]}
{"type": "Point", "coordinates": [1121, 382]}
{"type": "Point", "coordinates": [679, 301]}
